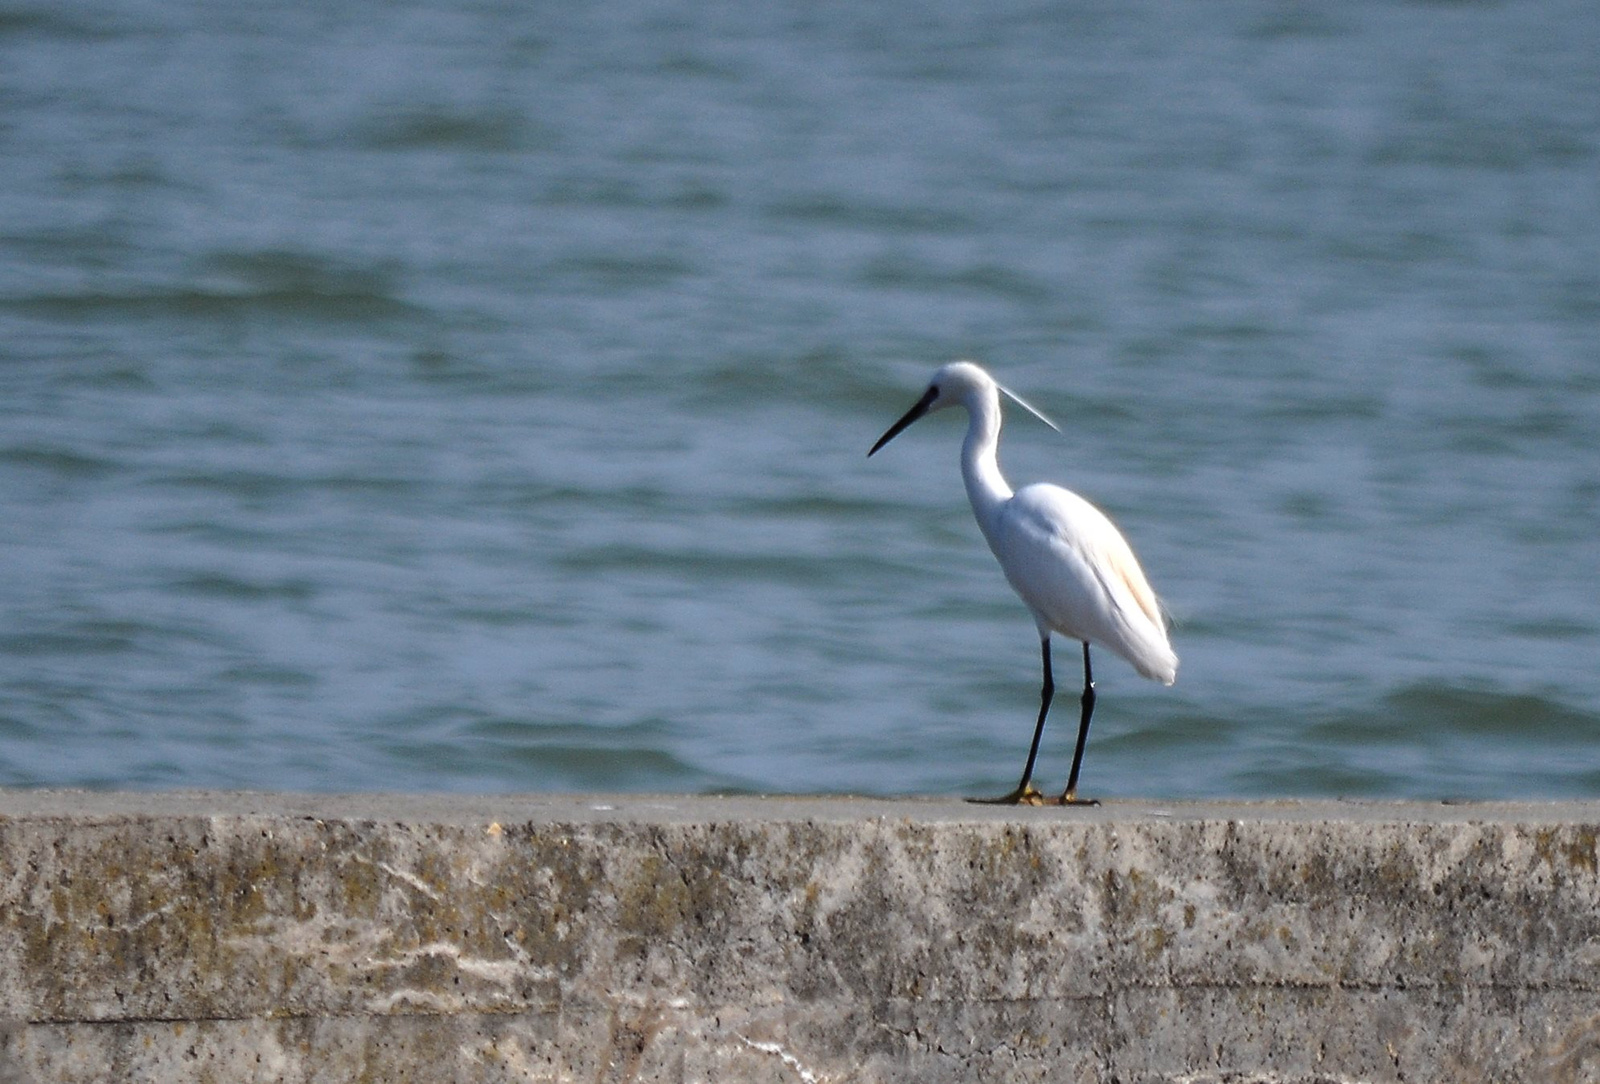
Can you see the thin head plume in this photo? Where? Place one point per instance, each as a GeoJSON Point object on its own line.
{"type": "Point", "coordinates": [1029, 407]}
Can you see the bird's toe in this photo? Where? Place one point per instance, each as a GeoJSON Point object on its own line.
{"type": "Point", "coordinates": [1027, 794]}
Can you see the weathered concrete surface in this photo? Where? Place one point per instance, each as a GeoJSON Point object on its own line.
{"type": "Point", "coordinates": [239, 937]}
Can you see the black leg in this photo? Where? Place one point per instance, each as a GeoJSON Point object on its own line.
{"type": "Point", "coordinates": [1071, 795]}
{"type": "Point", "coordinates": [1025, 791]}
{"type": "Point", "coordinates": [1046, 693]}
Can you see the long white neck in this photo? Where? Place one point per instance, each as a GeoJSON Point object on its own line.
{"type": "Point", "coordinates": [980, 464]}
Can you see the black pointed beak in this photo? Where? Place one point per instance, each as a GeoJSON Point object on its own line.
{"type": "Point", "coordinates": [910, 416]}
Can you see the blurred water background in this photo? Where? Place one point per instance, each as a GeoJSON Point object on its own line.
{"type": "Point", "coordinates": [473, 395]}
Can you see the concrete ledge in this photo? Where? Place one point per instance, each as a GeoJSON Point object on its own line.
{"type": "Point", "coordinates": [291, 938]}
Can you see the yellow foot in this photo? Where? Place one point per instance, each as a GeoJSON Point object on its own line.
{"type": "Point", "coordinates": [1071, 798]}
{"type": "Point", "coordinates": [1026, 794]}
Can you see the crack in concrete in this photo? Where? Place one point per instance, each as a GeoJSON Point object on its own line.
{"type": "Point", "coordinates": [787, 1058]}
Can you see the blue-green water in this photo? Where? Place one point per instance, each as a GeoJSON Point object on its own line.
{"type": "Point", "coordinates": [475, 396]}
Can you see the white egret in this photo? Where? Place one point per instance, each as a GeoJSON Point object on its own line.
{"type": "Point", "coordinates": [1070, 564]}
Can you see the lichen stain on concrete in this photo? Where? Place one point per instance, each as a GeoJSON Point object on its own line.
{"type": "Point", "coordinates": [1569, 849]}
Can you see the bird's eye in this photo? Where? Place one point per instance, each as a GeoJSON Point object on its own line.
{"type": "Point", "coordinates": [934, 388]}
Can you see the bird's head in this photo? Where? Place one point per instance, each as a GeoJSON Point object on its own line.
{"type": "Point", "coordinates": [960, 383]}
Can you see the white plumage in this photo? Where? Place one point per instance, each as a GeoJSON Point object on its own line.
{"type": "Point", "coordinates": [1061, 554]}
{"type": "Point", "coordinates": [1079, 578]}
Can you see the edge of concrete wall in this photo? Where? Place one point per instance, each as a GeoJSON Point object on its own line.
{"type": "Point", "coordinates": [272, 937]}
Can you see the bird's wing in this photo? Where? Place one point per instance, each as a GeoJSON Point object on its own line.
{"type": "Point", "coordinates": [1074, 569]}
